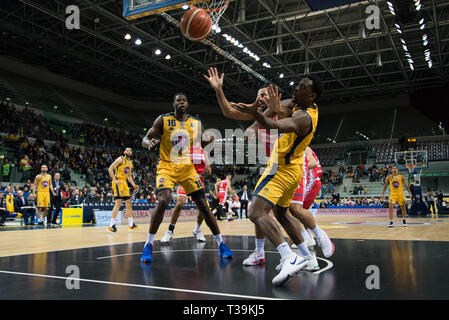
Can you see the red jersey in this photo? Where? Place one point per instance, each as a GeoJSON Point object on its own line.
{"type": "Point", "coordinates": [268, 139]}
{"type": "Point", "coordinates": [198, 158]}
{"type": "Point", "coordinates": [315, 173]}
{"type": "Point", "coordinates": [223, 186]}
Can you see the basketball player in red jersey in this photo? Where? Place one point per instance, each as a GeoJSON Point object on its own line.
{"type": "Point", "coordinates": [222, 188]}
{"type": "Point", "coordinates": [258, 257]}
{"type": "Point", "coordinates": [201, 163]}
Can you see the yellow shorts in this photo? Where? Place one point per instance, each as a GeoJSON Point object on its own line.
{"type": "Point", "coordinates": [121, 191]}
{"type": "Point", "coordinates": [278, 183]}
{"type": "Point", "coordinates": [398, 198]}
{"type": "Point", "coordinates": [169, 174]}
{"type": "Point", "coordinates": [43, 200]}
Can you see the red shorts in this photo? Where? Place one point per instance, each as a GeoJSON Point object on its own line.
{"type": "Point", "coordinates": [182, 193]}
{"type": "Point", "coordinates": [306, 196]}
{"type": "Point", "coordinates": [222, 198]}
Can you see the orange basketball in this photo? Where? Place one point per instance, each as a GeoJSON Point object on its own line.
{"type": "Point", "coordinates": [196, 24]}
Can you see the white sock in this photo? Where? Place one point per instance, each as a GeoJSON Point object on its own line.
{"type": "Point", "coordinates": [284, 250]}
{"type": "Point", "coordinates": [218, 238]}
{"type": "Point", "coordinates": [111, 223]}
{"type": "Point", "coordinates": [131, 221]}
{"type": "Point", "coordinates": [197, 228]}
{"type": "Point", "coordinates": [150, 239]}
{"type": "Point", "coordinates": [305, 234]}
{"type": "Point", "coordinates": [316, 230]}
{"type": "Point", "coordinates": [260, 245]}
{"type": "Point", "coordinates": [303, 250]}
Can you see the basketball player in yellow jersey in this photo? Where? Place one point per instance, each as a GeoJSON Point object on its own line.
{"type": "Point", "coordinates": [43, 184]}
{"type": "Point", "coordinates": [120, 171]}
{"type": "Point", "coordinates": [277, 185]}
{"type": "Point", "coordinates": [178, 132]}
{"type": "Point", "coordinates": [397, 183]}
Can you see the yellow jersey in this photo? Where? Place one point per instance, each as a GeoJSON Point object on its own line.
{"type": "Point", "coordinates": [177, 138]}
{"type": "Point", "coordinates": [121, 172]}
{"type": "Point", "coordinates": [289, 147]}
{"type": "Point", "coordinates": [396, 185]}
{"type": "Point", "coordinates": [43, 183]}
{"type": "Point", "coordinates": [10, 203]}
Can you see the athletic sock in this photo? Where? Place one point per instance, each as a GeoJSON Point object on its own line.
{"type": "Point", "coordinates": [305, 234]}
{"type": "Point", "coordinates": [284, 250]}
{"type": "Point", "coordinates": [303, 250]}
{"type": "Point", "coordinates": [197, 228]}
{"type": "Point", "coordinates": [130, 222]}
{"type": "Point", "coordinates": [171, 227]}
{"type": "Point", "coordinates": [150, 239]}
{"type": "Point", "coordinates": [218, 238]}
{"type": "Point", "coordinates": [316, 230]}
{"type": "Point", "coordinates": [260, 245]}
{"type": "Point", "coordinates": [111, 223]}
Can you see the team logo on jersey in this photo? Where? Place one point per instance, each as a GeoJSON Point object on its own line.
{"type": "Point", "coordinates": [44, 184]}
{"type": "Point", "coordinates": [395, 184]}
{"type": "Point", "coordinates": [126, 170]}
{"type": "Point", "coordinates": [161, 180]}
{"type": "Point", "coordinates": [182, 124]}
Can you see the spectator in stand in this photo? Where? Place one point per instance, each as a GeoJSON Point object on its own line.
{"type": "Point", "coordinates": [335, 197]}
{"type": "Point", "coordinates": [25, 167]}
{"type": "Point", "coordinates": [142, 199]}
{"type": "Point", "coordinates": [27, 213]}
{"type": "Point", "coordinates": [91, 196]}
{"type": "Point", "coordinates": [76, 198]}
{"type": "Point", "coordinates": [6, 170]}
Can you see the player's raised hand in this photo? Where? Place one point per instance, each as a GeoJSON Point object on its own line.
{"type": "Point", "coordinates": [215, 81]}
{"type": "Point", "coordinates": [247, 108]}
{"type": "Point", "coordinates": [273, 99]}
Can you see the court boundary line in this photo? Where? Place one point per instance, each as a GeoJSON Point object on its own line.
{"type": "Point", "coordinates": [140, 286]}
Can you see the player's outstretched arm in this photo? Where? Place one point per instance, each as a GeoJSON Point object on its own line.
{"type": "Point", "coordinates": [217, 84]}
{"type": "Point", "coordinates": [299, 122]}
{"type": "Point", "coordinates": [149, 140]}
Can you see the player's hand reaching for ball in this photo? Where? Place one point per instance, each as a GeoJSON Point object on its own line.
{"type": "Point", "coordinates": [273, 99]}
{"type": "Point", "coordinates": [247, 108]}
{"type": "Point", "coordinates": [215, 81]}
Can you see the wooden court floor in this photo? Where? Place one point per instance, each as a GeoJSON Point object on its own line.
{"type": "Point", "coordinates": [17, 242]}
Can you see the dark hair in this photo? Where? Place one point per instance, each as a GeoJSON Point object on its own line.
{"type": "Point", "coordinates": [179, 94]}
{"type": "Point", "coordinates": [317, 86]}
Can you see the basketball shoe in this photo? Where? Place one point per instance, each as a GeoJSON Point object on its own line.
{"type": "Point", "coordinates": [255, 259]}
{"type": "Point", "coordinates": [289, 267]}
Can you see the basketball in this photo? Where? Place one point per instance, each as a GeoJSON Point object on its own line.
{"type": "Point", "coordinates": [196, 24]}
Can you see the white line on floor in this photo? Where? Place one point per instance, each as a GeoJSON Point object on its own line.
{"type": "Point", "coordinates": [140, 286]}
